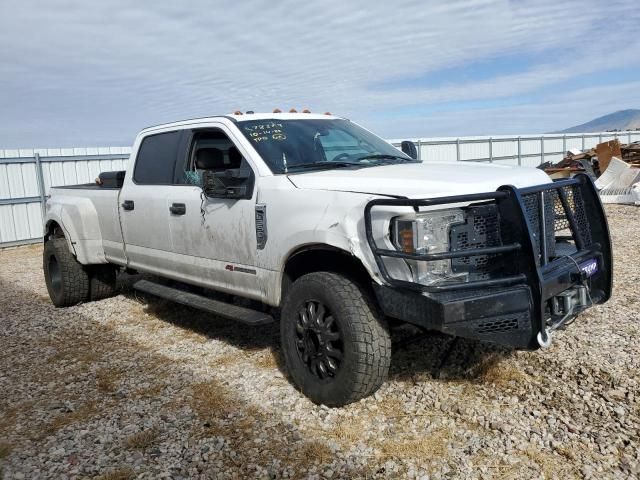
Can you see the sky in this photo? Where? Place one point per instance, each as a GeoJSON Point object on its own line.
{"type": "Point", "coordinates": [95, 73]}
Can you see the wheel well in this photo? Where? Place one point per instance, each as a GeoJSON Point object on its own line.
{"type": "Point", "coordinates": [53, 231]}
{"type": "Point", "coordinates": [317, 258]}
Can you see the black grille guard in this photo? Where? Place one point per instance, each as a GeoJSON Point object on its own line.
{"type": "Point", "coordinates": [524, 246]}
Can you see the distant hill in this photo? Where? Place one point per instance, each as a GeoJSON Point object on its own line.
{"type": "Point", "coordinates": [620, 120]}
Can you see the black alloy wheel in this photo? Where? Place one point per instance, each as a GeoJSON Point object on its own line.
{"type": "Point", "coordinates": [318, 340]}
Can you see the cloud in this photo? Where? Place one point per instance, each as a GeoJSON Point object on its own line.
{"type": "Point", "coordinates": [87, 72]}
{"type": "Point", "coordinates": [556, 112]}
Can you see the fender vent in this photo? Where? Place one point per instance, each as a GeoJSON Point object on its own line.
{"type": "Point", "coordinates": [261, 225]}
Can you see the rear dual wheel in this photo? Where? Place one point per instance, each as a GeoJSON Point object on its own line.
{"type": "Point", "coordinates": [336, 345]}
{"type": "Point", "coordinates": [69, 282]}
{"type": "Point", "coordinates": [102, 281]}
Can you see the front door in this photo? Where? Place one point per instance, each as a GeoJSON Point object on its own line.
{"type": "Point", "coordinates": [215, 238]}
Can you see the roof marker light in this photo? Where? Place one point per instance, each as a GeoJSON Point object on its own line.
{"type": "Point", "coordinates": [327, 113]}
{"type": "Point", "coordinates": [237, 112]}
{"type": "Point", "coordinates": [277, 110]}
{"type": "Point", "coordinates": [293, 110]}
{"type": "Point", "coordinates": [249, 112]}
{"type": "Point", "coordinates": [306, 110]}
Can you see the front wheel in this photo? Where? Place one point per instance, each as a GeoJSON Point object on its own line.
{"type": "Point", "coordinates": [336, 345]}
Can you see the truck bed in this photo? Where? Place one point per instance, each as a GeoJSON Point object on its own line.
{"type": "Point", "coordinates": [108, 181]}
{"type": "Point", "coordinates": [91, 218]}
{"type": "Point", "coordinates": [87, 186]}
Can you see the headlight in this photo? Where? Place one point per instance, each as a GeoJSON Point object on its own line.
{"type": "Point", "coordinates": [428, 232]}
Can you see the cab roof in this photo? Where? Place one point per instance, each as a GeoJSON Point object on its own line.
{"type": "Point", "coordinates": [282, 116]}
{"type": "Point", "coordinates": [244, 118]}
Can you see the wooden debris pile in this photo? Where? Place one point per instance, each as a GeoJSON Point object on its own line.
{"type": "Point", "coordinates": [631, 153]}
{"type": "Point", "coordinates": [593, 161]}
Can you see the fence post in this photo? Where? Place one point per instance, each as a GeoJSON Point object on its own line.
{"type": "Point", "coordinates": [491, 150]}
{"type": "Point", "coordinates": [519, 152]}
{"type": "Point", "coordinates": [40, 178]}
{"type": "Point", "coordinates": [458, 149]}
{"type": "Point", "coordinates": [582, 136]}
{"type": "Point", "coordinates": [564, 144]}
{"type": "Point", "coordinates": [629, 135]}
{"type": "Point", "coordinates": [541, 150]}
{"type": "Point", "coordinates": [419, 149]}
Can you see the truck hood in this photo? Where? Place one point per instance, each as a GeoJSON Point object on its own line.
{"type": "Point", "coordinates": [416, 180]}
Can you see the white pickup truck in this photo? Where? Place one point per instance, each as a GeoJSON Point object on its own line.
{"type": "Point", "coordinates": [334, 232]}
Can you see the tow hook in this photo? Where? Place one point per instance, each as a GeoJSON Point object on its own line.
{"type": "Point", "coordinates": [544, 338]}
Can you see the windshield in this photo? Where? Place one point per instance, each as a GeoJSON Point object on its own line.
{"type": "Point", "coordinates": [303, 145]}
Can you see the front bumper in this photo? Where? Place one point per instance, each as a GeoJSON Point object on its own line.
{"type": "Point", "coordinates": [546, 233]}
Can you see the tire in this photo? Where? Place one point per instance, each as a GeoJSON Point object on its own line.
{"type": "Point", "coordinates": [102, 281]}
{"type": "Point", "coordinates": [324, 313]}
{"type": "Point", "coordinates": [67, 280]}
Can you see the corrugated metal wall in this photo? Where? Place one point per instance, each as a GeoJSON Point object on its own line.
{"type": "Point", "coordinates": [23, 187]}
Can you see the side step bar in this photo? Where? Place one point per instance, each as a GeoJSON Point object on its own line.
{"type": "Point", "coordinates": [222, 309]}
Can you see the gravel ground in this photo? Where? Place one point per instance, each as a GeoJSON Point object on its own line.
{"type": "Point", "coordinates": [141, 388]}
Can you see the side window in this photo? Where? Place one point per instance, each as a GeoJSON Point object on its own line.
{"type": "Point", "coordinates": [211, 150]}
{"type": "Point", "coordinates": [156, 159]}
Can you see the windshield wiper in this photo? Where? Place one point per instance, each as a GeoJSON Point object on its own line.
{"type": "Point", "coordinates": [384, 156]}
{"type": "Point", "coordinates": [321, 165]}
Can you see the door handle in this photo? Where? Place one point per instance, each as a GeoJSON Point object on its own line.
{"type": "Point", "coordinates": [178, 208]}
{"type": "Point", "coordinates": [128, 205]}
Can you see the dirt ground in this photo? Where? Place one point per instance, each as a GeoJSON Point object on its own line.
{"type": "Point", "coordinates": [133, 387]}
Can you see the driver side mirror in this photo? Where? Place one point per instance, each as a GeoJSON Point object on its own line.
{"type": "Point", "coordinates": [409, 148]}
{"type": "Point", "coordinates": [232, 183]}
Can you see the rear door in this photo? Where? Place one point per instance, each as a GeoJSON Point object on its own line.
{"type": "Point", "coordinates": [143, 204]}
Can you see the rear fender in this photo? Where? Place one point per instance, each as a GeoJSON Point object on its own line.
{"type": "Point", "coordinates": [78, 219]}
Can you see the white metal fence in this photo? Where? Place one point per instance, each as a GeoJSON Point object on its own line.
{"type": "Point", "coordinates": [27, 174]}
{"type": "Point", "coordinates": [524, 150]}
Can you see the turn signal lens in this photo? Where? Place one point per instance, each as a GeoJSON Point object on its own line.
{"type": "Point", "coordinates": [405, 236]}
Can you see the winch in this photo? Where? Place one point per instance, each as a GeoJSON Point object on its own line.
{"type": "Point", "coordinates": [564, 308]}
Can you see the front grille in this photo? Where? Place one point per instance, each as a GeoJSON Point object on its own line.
{"type": "Point", "coordinates": [494, 244]}
{"type": "Point", "coordinates": [481, 229]}
{"type": "Point", "coordinates": [484, 228]}
{"type": "Point", "coordinates": [533, 211]}
{"type": "Point", "coordinates": [575, 203]}
{"type": "Point", "coordinates": [555, 218]}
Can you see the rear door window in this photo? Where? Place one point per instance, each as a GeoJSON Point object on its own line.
{"type": "Point", "coordinates": [156, 161]}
